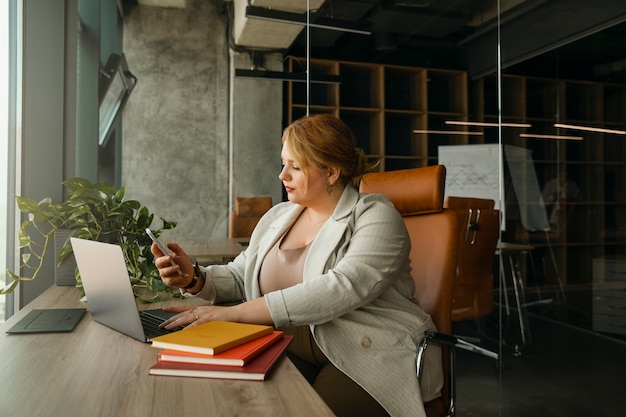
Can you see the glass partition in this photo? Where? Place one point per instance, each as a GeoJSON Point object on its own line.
{"type": "Point", "coordinates": [572, 96]}
{"type": "Point", "coordinates": [527, 109]}
{"type": "Point", "coordinates": [546, 91]}
{"type": "Point", "coordinates": [562, 79]}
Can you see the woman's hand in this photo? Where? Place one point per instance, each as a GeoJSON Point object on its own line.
{"type": "Point", "coordinates": [189, 316]}
{"type": "Point", "coordinates": [253, 311]}
{"type": "Point", "coordinates": [178, 275]}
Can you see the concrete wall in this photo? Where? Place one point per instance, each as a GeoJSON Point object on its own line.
{"type": "Point", "coordinates": [256, 128]}
{"type": "Point", "coordinates": [193, 136]}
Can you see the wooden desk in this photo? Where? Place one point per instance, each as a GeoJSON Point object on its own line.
{"type": "Point", "coordinates": [210, 249]}
{"type": "Point", "coordinates": [96, 371]}
{"type": "Point", "coordinates": [506, 248]}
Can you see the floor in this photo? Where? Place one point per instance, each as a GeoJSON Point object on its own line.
{"type": "Point", "coordinates": [565, 369]}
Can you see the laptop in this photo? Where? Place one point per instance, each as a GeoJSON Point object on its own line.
{"type": "Point", "coordinates": [110, 297]}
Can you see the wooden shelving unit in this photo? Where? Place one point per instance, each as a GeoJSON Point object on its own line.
{"type": "Point", "coordinates": [384, 104]}
{"type": "Point", "coordinates": [588, 216]}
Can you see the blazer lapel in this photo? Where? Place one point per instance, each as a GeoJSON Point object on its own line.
{"type": "Point", "coordinates": [329, 236]}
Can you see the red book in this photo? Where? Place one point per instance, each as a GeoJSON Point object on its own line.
{"type": "Point", "coordinates": [256, 370]}
{"type": "Point", "coordinates": [237, 356]}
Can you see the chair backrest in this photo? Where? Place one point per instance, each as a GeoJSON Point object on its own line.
{"type": "Point", "coordinates": [247, 213]}
{"type": "Point", "coordinates": [417, 194]}
{"type": "Point", "coordinates": [478, 234]}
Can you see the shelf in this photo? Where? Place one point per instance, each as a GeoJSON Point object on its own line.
{"type": "Point", "coordinates": [360, 86]}
{"type": "Point", "coordinates": [614, 104]}
{"type": "Point", "coordinates": [447, 92]}
{"type": "Point", "coordinates": [513, 96]}
{"type": "Point", "coordinates": [384, 104]}
{"type": "Point", "coordinates": [588, 222]}
{"type": "Point", "coordinates": [541, 99]}
{"type": "Point", "coordinates": [582, 103]}
{"type": "Point", "coordinates": [318, 94]}
{"type": "Point", "coordinates": [366, 127]}
{"type": "Point", "coordinates": [404, 89]}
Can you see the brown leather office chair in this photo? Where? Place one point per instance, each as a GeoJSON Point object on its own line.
{"type": "Point", "coordinates": [247, 213]}
{"type": "Point", "coordinates": [418, 195]}
{"type": "Point", "coordinates": [479, 230]}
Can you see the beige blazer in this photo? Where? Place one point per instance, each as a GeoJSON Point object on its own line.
{"type": "Point", "coordinates": [356, 296]}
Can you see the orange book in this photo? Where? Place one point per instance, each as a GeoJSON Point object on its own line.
{"type": "Point", "coordinates": [211, 338]}
{"type": "Point", "coordinates": [237, 356]}
{"type": "Point", "coordinates": [256, 370]}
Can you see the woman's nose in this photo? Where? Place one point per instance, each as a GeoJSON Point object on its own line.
{"type": "Point", "coordinates": [283, 174]}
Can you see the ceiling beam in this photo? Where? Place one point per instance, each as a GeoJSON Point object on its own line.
{"type": "Point", "coordinates": [549, 25]}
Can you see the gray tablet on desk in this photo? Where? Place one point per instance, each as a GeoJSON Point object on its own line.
{"type": "Point", "coordinates": [49, 321]}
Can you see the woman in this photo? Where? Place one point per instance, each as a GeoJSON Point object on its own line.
{"type": "Point", "coordinates": [330, 267]}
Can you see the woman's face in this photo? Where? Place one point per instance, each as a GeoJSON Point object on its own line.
{"type": "Point", "coordinates": [299, 189]}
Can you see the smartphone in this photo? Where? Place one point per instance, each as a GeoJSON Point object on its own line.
{"type": "Point", "coordinates": [166, 251]}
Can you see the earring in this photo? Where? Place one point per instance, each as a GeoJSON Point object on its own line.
{"type": "Point", "coordinates": [329, 188]}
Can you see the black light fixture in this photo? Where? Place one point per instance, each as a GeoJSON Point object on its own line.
{"type": "Point", "coordinates": [541, 136]}
{"type": "Point", "coordinates": [447, 132]}
{"type": "Point", "coordinates": [590, 129]}
{"type": "Point", "coordinates": [288, 76]}
{"type": "Point", "coordinates": [487, 124]}
{"type": "Point", "coordinates": [261, 13]}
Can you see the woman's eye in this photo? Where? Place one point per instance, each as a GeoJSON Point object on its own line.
{"type": "Point", "coordinates": [289, 165]}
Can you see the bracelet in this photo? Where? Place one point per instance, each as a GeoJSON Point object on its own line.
{"type": "Point", "coordinates": [193, 283]}
{"type": "Point", "coordinates": [196, 273]}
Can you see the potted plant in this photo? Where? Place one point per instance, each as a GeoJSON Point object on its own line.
{"type": "Point", "coordinates": [94, 211]}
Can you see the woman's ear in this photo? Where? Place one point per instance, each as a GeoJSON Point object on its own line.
{"type": "Point", "coordinates": [333, 175]}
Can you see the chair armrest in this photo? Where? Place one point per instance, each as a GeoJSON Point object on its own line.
{"type": "Point", "coordinates": [437, 338]}
{"type": "Point", "coordinates": [442, 338]}
{"type": "Point", "coordinates": [448, 344]}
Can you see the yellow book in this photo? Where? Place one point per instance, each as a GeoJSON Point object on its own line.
{"type": "Point", "coordinates": [211, 338]}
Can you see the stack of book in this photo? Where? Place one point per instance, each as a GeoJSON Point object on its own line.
{"type": "Point", "coordinates": [220, 349]}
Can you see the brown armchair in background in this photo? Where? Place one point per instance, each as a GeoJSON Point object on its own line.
{"type": "Point", "coordinates": [418, 195]}
{"type": "Point", "coordinates": [245, 216]}
{"type": "Point", "coordinates": [479, 227]}
{"type": "Point", "coordinates": [478, 235]}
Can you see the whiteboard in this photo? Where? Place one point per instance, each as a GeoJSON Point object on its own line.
{"type": "Point", "coordinates": [473, 171]}
{"type": "Point", "coordinates": [526, 186]}
{"type": "Point", "coordinates": [477, 171]}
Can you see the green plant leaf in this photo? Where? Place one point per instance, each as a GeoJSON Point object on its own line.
{"type": "Point", "coordinates": [94, 211]}
{"type": "Point", "coordinates": [26, 205]}
{"type": "Point", "coordinates": [11, 285]}
{"type": "Point", "coordinates": [23, 235]}
{"type": "Point", "coordinates": [167, 225]}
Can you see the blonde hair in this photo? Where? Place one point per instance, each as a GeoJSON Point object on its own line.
{"type": "Point", "coordinates": [324, 141]}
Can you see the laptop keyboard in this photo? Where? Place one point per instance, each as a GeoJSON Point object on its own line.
{"type": "Point", "coordinates": [151, 324]}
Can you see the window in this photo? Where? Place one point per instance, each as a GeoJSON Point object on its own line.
{"type": "Point", "coordinates": [10, 51]}
{"type": "Point", "coordinates": [4, 147]}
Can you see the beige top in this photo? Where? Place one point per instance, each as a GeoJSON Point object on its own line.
{"type": "Point", "coordinates": [282, 268]}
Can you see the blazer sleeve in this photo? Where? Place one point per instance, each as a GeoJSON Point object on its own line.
{"type": "Point", "coordinates": [237, 281]}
